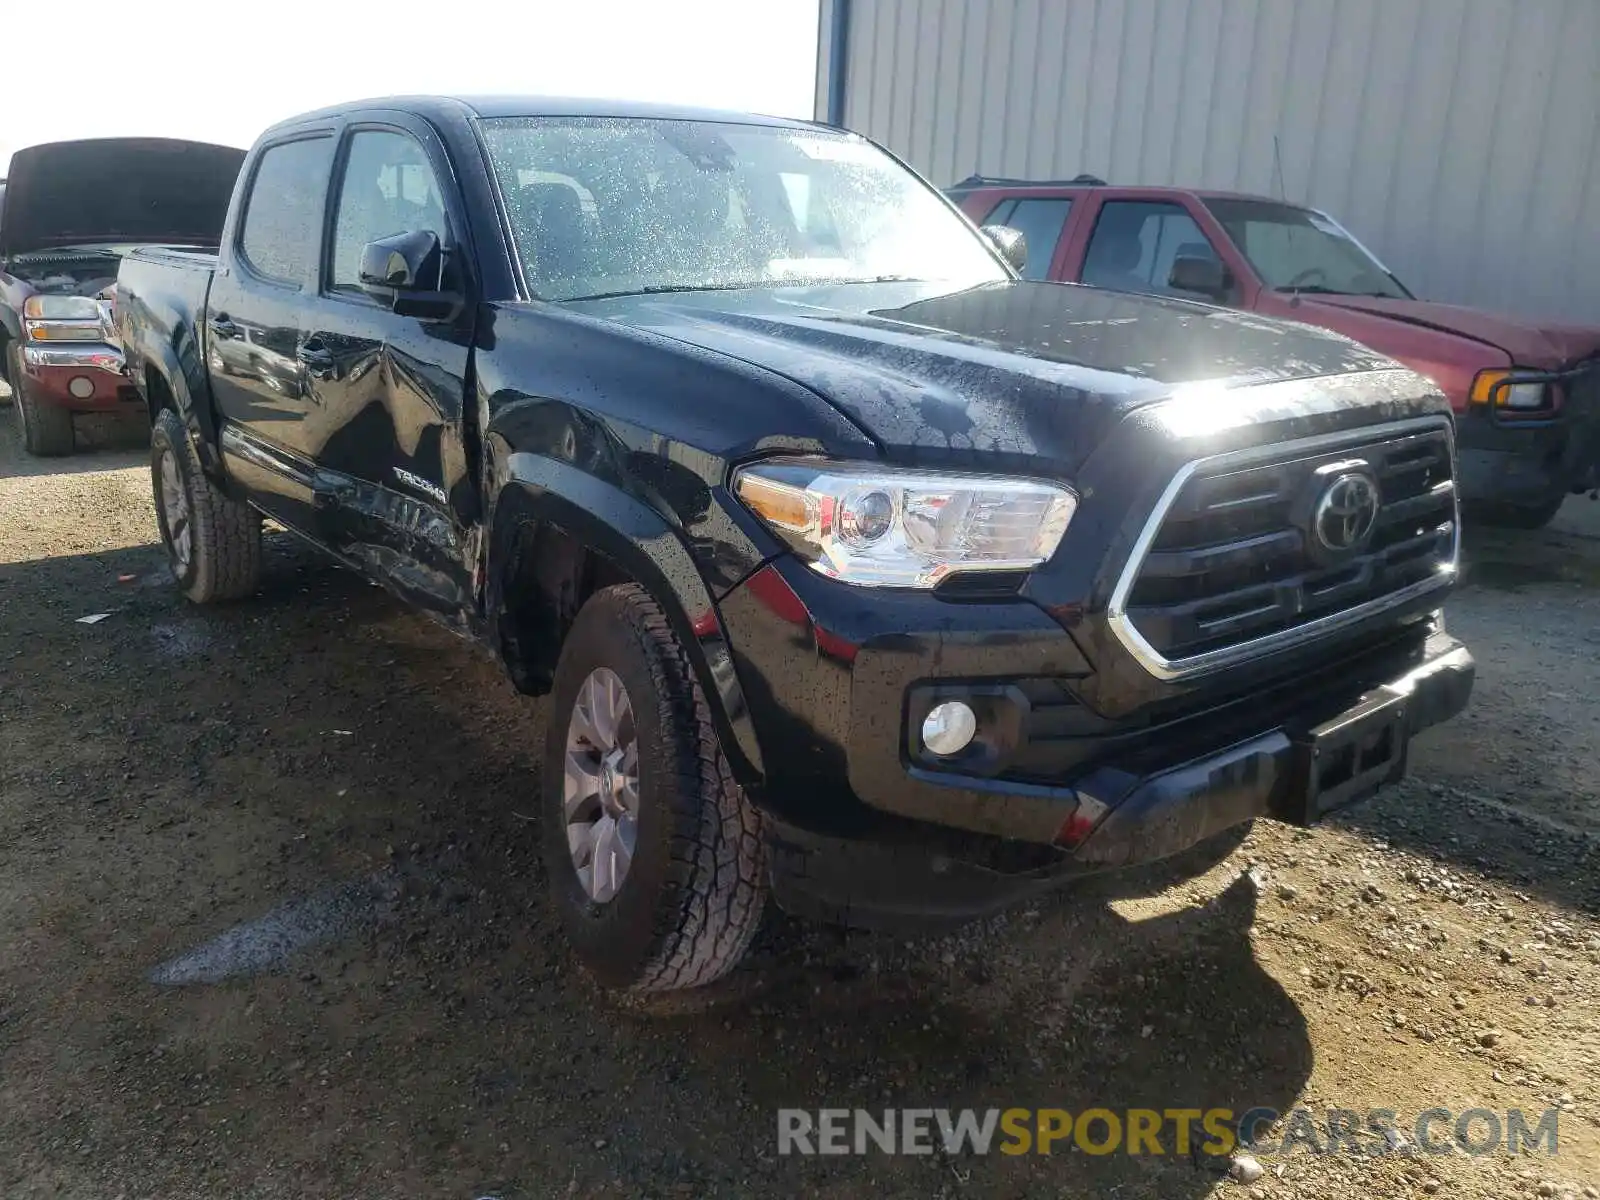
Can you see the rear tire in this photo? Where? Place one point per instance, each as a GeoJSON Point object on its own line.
{"type": "Point", "coordinates": [679, 906]}
{"type": "Point", "coordinates": [213, 541]}
{"type": "Point", "coordinates": [46, 429]}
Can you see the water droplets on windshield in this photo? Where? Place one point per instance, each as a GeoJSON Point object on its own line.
{"type": "Point", "coordinates": [602, 206]}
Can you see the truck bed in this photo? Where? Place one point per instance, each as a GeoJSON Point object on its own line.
{"type": "Point", "coordinates": [161, 308]}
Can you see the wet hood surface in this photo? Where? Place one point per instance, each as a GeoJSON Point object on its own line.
{"type": "Point", "coordinates": [1029, 367]}
{"type": "Point", "coordinates": [1529, 343]}
{"type": "Point", "coordinates": [109, 190]}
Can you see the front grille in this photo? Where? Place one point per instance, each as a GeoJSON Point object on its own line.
{"type": "Point", "coordinates": [1232, 563]}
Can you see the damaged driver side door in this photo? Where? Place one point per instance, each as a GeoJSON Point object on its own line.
{"type": "Point", "coordinates": [386, 387]}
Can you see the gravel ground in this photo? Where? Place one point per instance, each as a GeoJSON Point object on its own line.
{"type": "Point", "coordinates": [274, 927]}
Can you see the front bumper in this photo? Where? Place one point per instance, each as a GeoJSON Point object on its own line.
{"type": "Point", "coordinates": [83, 377]}
{"type": "Point", "coordinates": [868, 829]}
{"type": "Point", "coordinates": [1530, 461]}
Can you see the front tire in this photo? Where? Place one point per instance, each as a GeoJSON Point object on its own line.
{"type": "Point", "coordinates": [45, 428]}
{"type": "Point", "coordinates": [655, 857]}
{"type": "Point", "coordinates": [213, 541]}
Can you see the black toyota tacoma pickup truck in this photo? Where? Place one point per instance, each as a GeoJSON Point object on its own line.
{"type": "Point", "coordinates": [858, 571]}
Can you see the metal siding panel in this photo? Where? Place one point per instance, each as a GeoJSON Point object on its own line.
{"type": "Point", "coordinates": [1050, 77]}
{"type": "Point", "coordinates": [1272, 39]}
{"type": "Point", "coordinates": [1553, 232]}
{"type": "Point", "coordinates": [1423, 123]}
{"type": "Point", "coordinates": [1077, 80]}
{"type": "Point", "coordinates": [998, 17]}
{"type": "Point", "coordinates": [1021, 86]}
{"type": "Point", "coordinates": [1135, 41]}
{"type": "Point", "coordinates": [943, 119]}
{"type": "Point", "coordinates": [1512, 182]}
{"type": "Point", "coordinates": [1105, 67]}
{"type": "Point", "coordinates": [1579, 290]}
{"type": "Point", "coordinates": [969, 131]}
{"type": "Point", "coordinates": [904, 25]}
{"type": "Point", "coordinates": [1193, 113]}
{"type": "Point", "coordinates": [924, 114]}
{"type": "Point", "coordinates": [1168, 60]}
{"type": "Point", "coordinates": [1230, 80]}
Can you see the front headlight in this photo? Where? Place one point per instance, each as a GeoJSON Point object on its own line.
{"type": "Point", "coordinates": [63, 319]}
{"type": "Point", "coordinates": [61, 308]}
{"type": "Point", "coordinates": [885, 527]}
{"type": "Point", "coordinates": [1520, 396]}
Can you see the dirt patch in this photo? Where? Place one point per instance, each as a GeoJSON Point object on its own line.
{"type": "Point", "coordinates": [274, 927]}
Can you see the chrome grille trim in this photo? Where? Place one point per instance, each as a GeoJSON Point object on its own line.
{"type": "Point", "coordinates": [1162, 667]}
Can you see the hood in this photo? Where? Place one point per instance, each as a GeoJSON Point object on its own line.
{"type": "Point", "coordinates": [110, 190]}
{"type": "Point", "coordinates": [1545, 345]}
{"type": "Point", "coordinates": [1013, 368]}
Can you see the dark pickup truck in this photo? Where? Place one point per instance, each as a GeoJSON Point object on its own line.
{"type": "Point", "coordinates": [858, 571]}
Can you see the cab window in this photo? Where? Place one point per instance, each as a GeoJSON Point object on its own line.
{"type": "Point", "coordinates": [1135, 243]}
{"type": "Point", "coordinates": [388, 187]}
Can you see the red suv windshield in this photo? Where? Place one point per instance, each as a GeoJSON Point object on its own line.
{"type": "Point", "coordinates": [1296, 249]}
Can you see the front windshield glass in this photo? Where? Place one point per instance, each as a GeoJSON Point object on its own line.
{"type": "Point", "coordinates": [1297, 250]}
{"type": "Point", "coordinates": [612, 206]}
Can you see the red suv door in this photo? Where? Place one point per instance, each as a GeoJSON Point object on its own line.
{"type": "Point", "coordinates": [1128, 239]}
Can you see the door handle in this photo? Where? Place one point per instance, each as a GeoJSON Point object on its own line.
{"type": "Point", "coordinates": [316, 359]}
{"type": "Point", "coordinates": [222, 327]}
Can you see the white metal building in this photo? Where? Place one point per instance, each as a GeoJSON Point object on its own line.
{"type": "Point", "coordinates": [1459, 139]}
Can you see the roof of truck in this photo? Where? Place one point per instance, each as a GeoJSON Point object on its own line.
{"type": "Point", "coordinates": [541, 106]}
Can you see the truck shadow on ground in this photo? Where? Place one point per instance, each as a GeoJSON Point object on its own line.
{"type": "Point", "coordinates": [323, 771]}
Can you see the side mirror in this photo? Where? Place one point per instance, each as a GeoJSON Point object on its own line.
{"type": "Point", "coordinates": [1203, 276]}
{"type": "Point", "coordinates": [406, 272]}
{"type": "Point", "coordinates": [1012, 244]}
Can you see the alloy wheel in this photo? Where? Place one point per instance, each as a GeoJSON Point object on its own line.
{"type": "Point", "coordinates": [175, 508]}
{"type": "Point", "coordinates": [600, 789]}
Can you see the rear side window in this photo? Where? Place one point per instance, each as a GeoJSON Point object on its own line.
{"type": "Point", "coordinates": [283, 213]}
{"type": "Point", "coordinates": [1041, 222]}
{"type": "Point", "coordinates": [1135, 243]}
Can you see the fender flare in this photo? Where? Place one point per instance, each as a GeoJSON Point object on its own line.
{"type": "Point", "coordinates": [183, 372]}
{"type": "Point", "coordinates": [643, 545]}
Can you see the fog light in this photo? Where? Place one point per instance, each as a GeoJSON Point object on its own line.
{"type": "Point", "coordinates": [81, 386]}
{"type": "Point", "coordinates": [948, 727]}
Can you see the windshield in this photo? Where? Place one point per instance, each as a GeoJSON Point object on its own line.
{"type": "Point", "coordinates": [611, 206]}
{"type": "Point", "coordinates": [1295, 249]}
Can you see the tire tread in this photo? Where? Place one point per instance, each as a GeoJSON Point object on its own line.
{"type": "Point", "coordinates": [717, 850]}
{"type": "Point", "coordinates": [226, 532]}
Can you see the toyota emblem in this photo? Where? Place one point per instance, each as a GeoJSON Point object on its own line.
{"type": "Point", "coordinates": [1346, 511]}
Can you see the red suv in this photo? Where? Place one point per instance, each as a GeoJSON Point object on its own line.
{"type": "Point", "coordinates": [1526, 394]}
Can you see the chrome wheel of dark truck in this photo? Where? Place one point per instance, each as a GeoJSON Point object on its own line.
{"type": "Point", "coordinates": [857, 570]}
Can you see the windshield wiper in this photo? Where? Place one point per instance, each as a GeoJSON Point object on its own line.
{"type": "Point", "coordinates": [1317, 289]}
{"type": "Point", "coordinates": [658, 289]}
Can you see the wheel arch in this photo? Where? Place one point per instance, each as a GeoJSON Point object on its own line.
{"type": "Point", "coordinates": [557, 535]}
{"type": "Point", "coordinates": [175, 379]}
